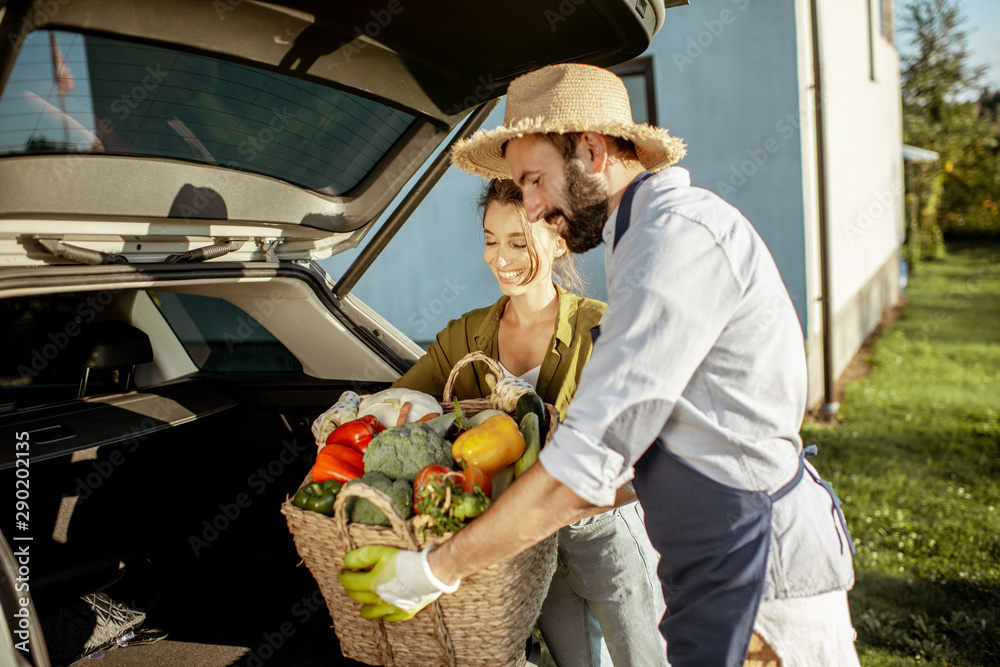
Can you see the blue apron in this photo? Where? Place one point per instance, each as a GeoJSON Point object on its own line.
{"type": "Point", "coordinates": [713, 541]}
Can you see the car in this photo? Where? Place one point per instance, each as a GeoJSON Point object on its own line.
{"type": "Point", "coordinates": [171, 173]}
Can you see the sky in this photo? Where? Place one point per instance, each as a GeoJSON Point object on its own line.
{"type": "Point", "coordinates": [983, 23]}
{"type": "Point", "coordinates": [983, 40]}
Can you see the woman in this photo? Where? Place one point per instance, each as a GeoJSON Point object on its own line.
{"type": "Point", "coordinates": [605, 597]}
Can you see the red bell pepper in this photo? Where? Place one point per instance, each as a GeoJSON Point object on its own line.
{"type": "Point", "coordinates": [356, 434]}
{"type": "Point", "coordinates": [338, 462]}
{"type": "Point", "coordinates": [374, 422]}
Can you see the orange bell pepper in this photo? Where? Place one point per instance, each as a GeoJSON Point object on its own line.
{"type": "Point", "coordinates": [491, 446]}
{"type": "Point", "coordinates": [338, 462]}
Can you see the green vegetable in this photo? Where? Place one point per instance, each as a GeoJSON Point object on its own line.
{"type": "Point", "coordinates": [532, 402]}
{"type": "Point", "coordinates": [532, 444]}
{"type": "Point", "coordinates": [443, 508]}
{"type": "Point", "coordinates": [502, 480]}
{"type": "Point", "coordinates": [403, 451]}
{"type": "Point", "coordinates": [469, 505]}
{"type": "Point", "coordinates": [318, 496]}
{"type": "Point", "coordinates": [443, 423]}
{"type": "Point", "coordinates": [400, 493]}
{"type": "Point", "coordinates": [461, 421]}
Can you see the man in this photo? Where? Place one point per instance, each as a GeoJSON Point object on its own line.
{"type": "Point", "coordinates": [696, 386]}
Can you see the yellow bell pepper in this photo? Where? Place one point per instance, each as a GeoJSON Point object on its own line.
{"type": "Point", "coordinates": [491, 446]}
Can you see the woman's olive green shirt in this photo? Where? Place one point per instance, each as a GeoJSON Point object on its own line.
{"type": "Point", "coordinates": [476, 331]}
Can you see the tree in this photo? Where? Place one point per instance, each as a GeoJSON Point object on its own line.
{"type": "Point", "coordinates": [941, 113]}
{"type": "Point", "coordinates": [989, 104]}
{"type": "Point", "coordinates": [939, 72]}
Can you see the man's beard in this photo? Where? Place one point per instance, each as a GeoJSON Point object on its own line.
{"type": "Point", "coordinates": [586, 209]}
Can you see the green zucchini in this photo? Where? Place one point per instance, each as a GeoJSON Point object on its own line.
{"type": "Point", "coordinates": [532, 444]}
{"type": "Point", "coordinates": [532, 402]}
{"type": "Point", "coordinates": [502, 480]}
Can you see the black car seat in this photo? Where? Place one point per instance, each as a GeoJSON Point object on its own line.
{"type": "Point", "coordinates": [114, 348]}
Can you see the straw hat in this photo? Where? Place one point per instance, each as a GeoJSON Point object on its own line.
{"type": "Point", "coordinates": [560, 99]}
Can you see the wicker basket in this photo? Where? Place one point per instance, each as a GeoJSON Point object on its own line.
{"type": "Point", "coordinates": [486, 622]}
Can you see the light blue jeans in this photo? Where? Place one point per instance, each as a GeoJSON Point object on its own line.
{"type": "Point", "coordinates": [605, 601]}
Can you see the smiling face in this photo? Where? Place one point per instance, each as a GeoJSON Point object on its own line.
{"type": "Point", "coordinates": [559, 191]}
{"type": "Point", "coordinates": [519, 255]}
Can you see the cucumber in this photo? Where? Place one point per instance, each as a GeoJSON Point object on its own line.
{"type": "Point", "coordinates": [532, 444]}
{"type": "Point", "coordinates": [532, 402]}
{"type": "Point", "coordinates": [502, 480]}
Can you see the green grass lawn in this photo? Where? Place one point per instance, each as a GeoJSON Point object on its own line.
{"type": "Point", "coordinates": [916, 459]}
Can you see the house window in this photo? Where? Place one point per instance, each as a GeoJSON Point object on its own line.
{"type": "Point", "coordinates": [638, 77]}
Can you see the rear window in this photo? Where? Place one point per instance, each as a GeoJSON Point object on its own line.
{"type": "Point", "coordinates": [75, 93]}
{"type": "Point", "coordinates": [219, 336]}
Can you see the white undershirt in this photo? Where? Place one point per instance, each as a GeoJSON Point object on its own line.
{"type": "Point", "coordinates": [530, 377]}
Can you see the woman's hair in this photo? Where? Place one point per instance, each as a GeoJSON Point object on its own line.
{"type": "Point", "coordinates": [505, 192]}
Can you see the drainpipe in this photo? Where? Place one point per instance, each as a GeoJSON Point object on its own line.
{"type": "Point", "coordinates": [829, 406]}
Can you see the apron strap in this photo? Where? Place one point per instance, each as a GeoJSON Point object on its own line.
{"type": "Point", "coordinates": [624, 218]}
{"type": "Point", "coordinates": [622, 222]}
{"type": "Point", "coordinates": [810, 451]}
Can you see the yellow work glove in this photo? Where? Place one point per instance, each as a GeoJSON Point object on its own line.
{"type": "Point", "coordinates": [395, 583]}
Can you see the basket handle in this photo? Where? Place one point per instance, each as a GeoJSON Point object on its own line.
{"type": "Point", "coordinates": [493, 365]}
{"type": "Point", "coordinates": [381, 501]}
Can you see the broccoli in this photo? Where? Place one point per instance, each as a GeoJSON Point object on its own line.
{"type": "Point", "coordinates": [403, 451]}
{"type": "Point", "coordinates": [400, 493]}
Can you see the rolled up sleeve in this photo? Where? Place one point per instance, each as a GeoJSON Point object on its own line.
{"type": "Point", "coordinates": [593, 471]}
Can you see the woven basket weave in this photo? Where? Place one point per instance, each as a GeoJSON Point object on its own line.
{"type": "Point", "coordinates": [485, 623]}
{"type": "Point", "coordinates": [471, 406]}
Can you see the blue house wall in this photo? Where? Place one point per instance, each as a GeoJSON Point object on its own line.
{"type": "Point", "coordinates": [727, 83]}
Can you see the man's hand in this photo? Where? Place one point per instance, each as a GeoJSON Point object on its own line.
{"type": "Point", "coordinates": [395, 583]}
